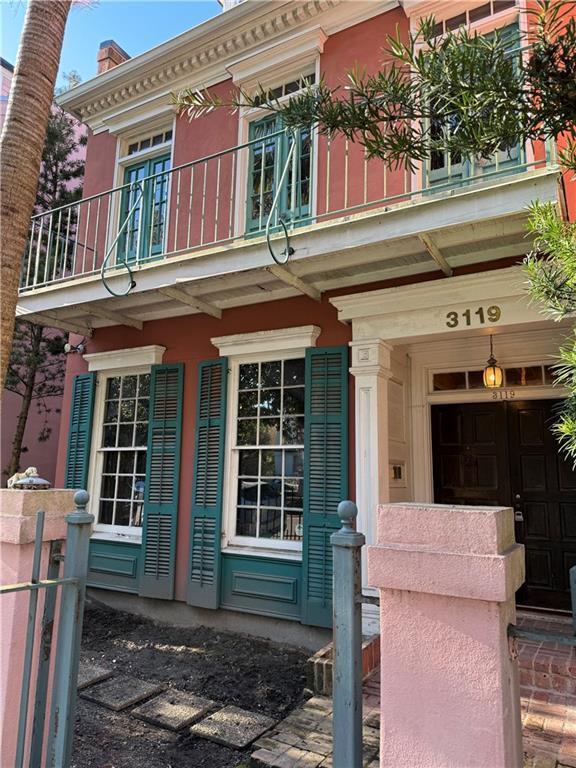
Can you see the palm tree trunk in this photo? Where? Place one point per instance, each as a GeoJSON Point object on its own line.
{"type": "Point", "coordinates": [21, 146]}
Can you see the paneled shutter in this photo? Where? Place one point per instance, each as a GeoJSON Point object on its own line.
{"type": "Point", "coordinates": [162, 482]}
{"type": "Point", "coordinates": [325, 475]}
{"type": "Point", "coordinates": [80, 431]}
{"type": "Point", "coordinates": [204, 582]}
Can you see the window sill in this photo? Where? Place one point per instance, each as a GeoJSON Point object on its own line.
{"type": "Point", "coordinates": [126, 538]}
{"type": "Point", "coordinates": [278, 554]}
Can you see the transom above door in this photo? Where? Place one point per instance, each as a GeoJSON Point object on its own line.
{"type": "Point", "coordinates": [505, 454]}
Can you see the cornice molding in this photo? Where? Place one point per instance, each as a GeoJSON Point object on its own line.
{"type": "Point", "coordinates": [125, 358]}
{"type": "Point", "coordinates": [507, 282]}
{"type": "Point", "coordinates": [300, 337]}
{"type": "Point", "coordinates": [201, 56]}
{"type": "Point", "coordinates": [297, 47]}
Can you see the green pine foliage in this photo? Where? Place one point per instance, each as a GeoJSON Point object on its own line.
{"type": "Point", "coordinates": [551, 271]}
{"type": "Point", "coordinates": [37, 363]}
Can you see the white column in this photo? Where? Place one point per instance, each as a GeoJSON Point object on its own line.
{"type": "Point", "coordinates": [371, 368]}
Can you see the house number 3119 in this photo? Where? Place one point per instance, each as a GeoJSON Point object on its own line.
{"type": "Point", "coordinates": [472, 316]}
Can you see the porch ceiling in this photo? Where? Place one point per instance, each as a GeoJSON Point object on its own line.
{"type": "Point", "coordinates": [465, 228]}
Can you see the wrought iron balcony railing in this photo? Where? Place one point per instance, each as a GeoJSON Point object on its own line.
{"type": "Point", "coordinates": [229, 195]}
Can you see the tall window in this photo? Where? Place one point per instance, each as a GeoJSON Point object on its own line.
{"type": "Point", "coordinates": [270, 442]}
{"type": "Point", "coordinates": [446, 167]}
{"type": "Point", "coordinates": [267, 161]}
{"type": "Point", "coordinates": [123, 448]}
{"type": "Point", "coordinates": [144, 203]}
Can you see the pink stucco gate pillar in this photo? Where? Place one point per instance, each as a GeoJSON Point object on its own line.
{"type": "Point", "coordinates": [18, 510]}
{"type": "Point", "coordinates": [447, 578]}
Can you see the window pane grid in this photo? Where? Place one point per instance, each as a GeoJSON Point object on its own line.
{"type": "Point", "coordinates": [534, 375]}
{"type": "Point", "coordinates": [270, 439]}
{"type": "Point", "coordinates": [123, 449]}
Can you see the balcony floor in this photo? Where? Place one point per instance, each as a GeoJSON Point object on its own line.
{"type": "Point", "coordinates": [450, 230]}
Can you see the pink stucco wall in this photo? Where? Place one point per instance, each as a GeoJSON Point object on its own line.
{"type": "Point", "coordinates": [447, 578]}
{"type": "Point", "coordinates": [5, 81]}
{"type": "Point", "coordinates": [41, 455]}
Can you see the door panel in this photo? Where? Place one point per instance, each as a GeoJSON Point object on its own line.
{"type": "Point", "coordinates": [470, 456]}
{"type": "Point", "coordinates": [505, 454]}
{"type": "Point", "coordinates": [544, 492]}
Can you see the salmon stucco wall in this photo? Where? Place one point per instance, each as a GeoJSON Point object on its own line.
{"type": "Point", "coordinates": [351, 182]}
{"type": "Point", "coordinates": [187, 340]}
{"type": "Point", "coordinates": [202, 196]}
{"type": "Point", "coordinates": [98, 178]}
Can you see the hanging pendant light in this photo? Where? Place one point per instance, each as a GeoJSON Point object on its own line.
{"type": "Point", "coordinates": [493, 374]}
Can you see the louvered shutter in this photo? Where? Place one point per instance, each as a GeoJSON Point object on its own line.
{"type": "Point", "coordinates": [80, 431]}
{"type": "Point", "coordinates": [204, 576]}
{"type": "Point", "coordinates": [162, 482]}
{"type": "Point", "coordinates": [325, 475]}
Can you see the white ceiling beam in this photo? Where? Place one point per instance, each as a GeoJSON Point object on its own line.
{"type": "Point", "coordinates": [50, 321]}
{"type": "Point", "coordinates": [192, 301]}
{"type": "Point", "coordinates": [436, 254]}
{"type": "Point", "coordinates": [112, 316]}
{"type": "Point", "coordinates": [284, 275]}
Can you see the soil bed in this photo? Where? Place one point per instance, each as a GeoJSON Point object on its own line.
{"type": "Point", "coordinates": [253, 674]}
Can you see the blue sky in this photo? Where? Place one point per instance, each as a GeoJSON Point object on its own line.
{"type": "Point", "coordinates": [136, 25]}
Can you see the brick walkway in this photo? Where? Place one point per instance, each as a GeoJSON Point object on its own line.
{"type": "Point", "coordinates": [548, 689]}
{"type": "Point", "coordinates": [304, 738]}
{"type": "Point", "coordinates": [548, 675]}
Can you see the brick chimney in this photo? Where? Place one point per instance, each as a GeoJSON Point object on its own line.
{"type": "Point", "coordinates": [110, 55]}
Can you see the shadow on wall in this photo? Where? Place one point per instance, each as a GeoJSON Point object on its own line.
{"type": "Point", "coordinates": [42, 455]}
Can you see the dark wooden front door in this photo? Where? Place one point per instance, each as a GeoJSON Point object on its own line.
{"type": "Point", "coordinates": [505, 454]}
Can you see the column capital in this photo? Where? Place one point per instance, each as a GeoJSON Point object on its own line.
{"type": "Point", "coordinates": [371, 357]}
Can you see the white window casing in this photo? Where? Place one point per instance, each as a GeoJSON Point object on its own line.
{"type": "Point", "coordinates": [121, 362]}
{"type": "Point", "coordinates": [260, 346]}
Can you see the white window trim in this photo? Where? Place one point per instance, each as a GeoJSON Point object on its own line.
{"type": "Point", "coordinates": [276, 66]}
{"type": "Point", "coordinates": [275, 342]}
{"type": "Point", "coordinates": [118, 359]}
{"type": "Point", "coordinates": [123, 160]}
{"type": "Point", "coordinates": [241, 348]}
{"type": "Point", "coordinates": [120, 362]}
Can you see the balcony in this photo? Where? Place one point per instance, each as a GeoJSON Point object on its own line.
{"type": "Point", "coordinates": [202, 236]}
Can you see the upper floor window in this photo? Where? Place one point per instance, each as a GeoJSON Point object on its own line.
{"type": "Point", "coordinates": [143, 209]}
{"type": "Point", "coordinates": [143, 206]}
{"type": "Point", "coordinates": [267, 161]}
{"type": "Point", "coordinates": [150, 142]}
{"type": "Point", "coordinates": [473, 15]}
{"type": "Point", "coordinates": [445, 167]}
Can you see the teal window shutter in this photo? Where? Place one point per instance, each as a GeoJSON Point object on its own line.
{"type": "Point", "coordinates": [162, 482]}
{"type": "Point", "coordinates": [80, 431]}
{"type": "Point", "coordinates": [325, 475]}
{"type": "Point", "coordinates": [206, 523]}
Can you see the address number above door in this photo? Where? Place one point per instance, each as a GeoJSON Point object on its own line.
{"type": "Point", "coordinates": [473, 316]}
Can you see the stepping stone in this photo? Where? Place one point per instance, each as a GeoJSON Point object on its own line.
{"type": "Point", "coordinates": [90, 674]}
{"type": "Point", "coordinates": [233, 727]}
{"type": "Point", "coordinates": [174, 709]}
{"type": "Point", "coordinates": [119, 693]}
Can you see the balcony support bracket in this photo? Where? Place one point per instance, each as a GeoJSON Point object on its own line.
{"type": "Point", "coordinates": [287, 277]}
{"type": "Point", "coordinates": [178, 294]}
{"type": "Point", "coordinates": [112, 316]}
{"type": "Point", "coordinates": [51, 321]}
{"type": "Point", "coordinates": [436, 254]}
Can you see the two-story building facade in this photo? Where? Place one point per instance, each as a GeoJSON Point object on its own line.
{"type": "Point", "coordinates": [225, 403]}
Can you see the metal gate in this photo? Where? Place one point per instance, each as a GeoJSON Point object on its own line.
{"type": "Point", "coordinates": [55, 690]}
